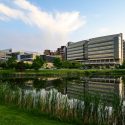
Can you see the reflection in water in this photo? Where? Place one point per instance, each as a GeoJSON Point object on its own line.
{"type": "Point", "coordinates": [104, 86]}
{"type": "Point", "coordinates": [52, 101]}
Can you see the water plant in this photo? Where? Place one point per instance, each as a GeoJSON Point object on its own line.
{"type": "Point", "coordinates": [89, 109]}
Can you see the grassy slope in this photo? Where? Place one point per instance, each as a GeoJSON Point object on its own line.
{"type": "Point", "coordinates": [13, 116]}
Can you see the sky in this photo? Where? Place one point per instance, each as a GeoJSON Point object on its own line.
{"type": "Point", "coordinates": [36, 25]}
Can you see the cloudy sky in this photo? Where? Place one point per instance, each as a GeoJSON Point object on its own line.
{"type": "Point", "coordinates": [35, 25]}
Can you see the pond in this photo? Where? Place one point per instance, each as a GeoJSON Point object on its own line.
{"type": "Point", "coordinates": [105, 86]}
{"type": "Point", "coordinates": [85, 100]}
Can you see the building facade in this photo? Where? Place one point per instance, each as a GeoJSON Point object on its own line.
{"type": "Point", "coordinates": [5, 54]}
{"type": "Point", "coordinates": [100, 51]}
{"type": "Point", "coordinates": [59, 53]}
{"type": "Point", "coordinates": [77, 51]}
{"type": "Point", "coordinates": [47, 58]}
{"type": "Point", "coordinates": [105, 50]}
{"type": "Point", "coordinates": [123, 50]}
{"type": "Point", "coordinates": [27, 56]}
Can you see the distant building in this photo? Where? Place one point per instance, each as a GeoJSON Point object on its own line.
{"type": "Point", "coordinates": [100, 51]}
{"type": "Point", "coordinates": [27, 56]}
{"type": "Point", "coordinates": [5, 54]}
{"type": "Point", "coordinates": [123, 50]}
{"type": "Point", "coordinates": [60, 52]}
{"type": "Point", "coordinates": [77, 51]}
{"type": "Point", "coordinates": [47, 52]}
{"type": "Point", "coordinates": [47, 58]}
{"type": "Point", "coordinates": [106, 50]}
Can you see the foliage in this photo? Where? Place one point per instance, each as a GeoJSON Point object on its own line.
{"type": "Point", "coordinates": [121, 66]}
{"type": "Point", "coordinates": [66, 64]}
{"type": "Point", "coordinates": [37, 63]}
{"type": "Point", "coordinates": [88, 110]}
{"type": "Point", "coordinates": [3, 65]}
{"type": "Point", "coordinates": [57, 62]}
{"type": "Point", "coordinates": [20, 66]}
{"type": "Point", "coordinates": [71, 64]}
{"type": "Point", "coordinates": [76, 64]}
{"type": "Point", "coordinates": [28, 66]}
{"type": "Point", "coordinates": [11, 63]}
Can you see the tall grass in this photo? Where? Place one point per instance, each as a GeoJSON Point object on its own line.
{"type": "Point", "coordinates": [88, 111]}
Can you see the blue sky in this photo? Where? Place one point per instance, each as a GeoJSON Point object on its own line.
{"type": "Point", "coordinates": [35, 25]}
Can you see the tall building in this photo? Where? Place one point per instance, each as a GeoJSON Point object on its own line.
{"type": "Point", "coordinates": [123, 50]}
{"type": "Point", "coordinates": [77, 51]}
{"type": "Point", "coordinates": [62, 52]}
{"type": "Point", "coordinates": [100, 51]}
{"type": "Point", "coordinates": [106, 50]}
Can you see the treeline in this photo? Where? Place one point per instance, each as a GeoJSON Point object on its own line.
{"type": "Point", "coordinates": [12, 63]}
{"type": "Point", "coordinates": [38, 63]}
{"type": "Point", "coordinates": [66, 64]}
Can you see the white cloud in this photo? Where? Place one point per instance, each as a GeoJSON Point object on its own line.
{"type": "Point", "coordinates": [104, 30]}
{"type": "Point", "coordinates": [56, 25]}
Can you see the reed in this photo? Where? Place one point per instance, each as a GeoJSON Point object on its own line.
{"type": "Point", "coordinates": [87, 110]}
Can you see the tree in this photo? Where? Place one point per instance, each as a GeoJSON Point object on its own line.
{"type": "Point", "coordinates": [71, 64]}
{"type": "Point", "coordinates": [76, 64]}
{"type": "Point", "coordinates": [28, 66]}
{"type": "Point", "coordinates": [3, 65]}
{"type": "Point", "coordinates": [57, 63]}
{"type": "Point", "coordinates": [66, 64]}
{"type": "Point", "coordinates": [11, 63]}
{"type": "Point", "coordinates": [20, 66]}
{"type": "Point", "coordinates": [123, 65]}
{"type": "Point", "coordinates": [37, 63]}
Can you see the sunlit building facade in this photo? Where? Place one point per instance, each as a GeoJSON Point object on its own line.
{"type": "Point", "coordinates": [105, 50]}
{"type": "Point", "coordinates": [77, 51]}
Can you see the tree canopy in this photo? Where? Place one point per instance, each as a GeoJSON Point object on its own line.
{"type": "Point", "coordinates": [37, 63]}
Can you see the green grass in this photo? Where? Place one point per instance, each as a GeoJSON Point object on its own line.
{"type": "Point", "coordinates": [14, 116]}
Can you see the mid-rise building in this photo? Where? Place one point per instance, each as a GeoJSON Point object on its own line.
{"type": "Point", "coordinates": [106, 50]}
{"type": "Point", "coordinates": [77, 51]}
{"type": "Point", "coordinates": [100, 51]}
{"type": "Point", "coordinates": [27, 56]}
{"type": "Point", "coordinates": [123, 50]}
{"type": "Point", "coordinates": [5, 54]}
{"type": "Point", "coordinates": [47, 58]}
{"type": "Point", "coordinates": [59, 53]}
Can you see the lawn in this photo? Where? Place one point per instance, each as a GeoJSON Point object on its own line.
{"type": "Point", "coordinates": [15, 116]}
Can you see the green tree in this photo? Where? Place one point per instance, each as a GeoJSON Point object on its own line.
{"type": "Point", "coordinates": [11, 62]}
{"type": "Point", "coordinates": [20, 66]}
{"type": "Point", "coordinates": [37, 63]}
{"type": "Point", "coordinates": [57, 63]}
{"type": "Point", "coordinates": [123, 65]}
{"type": "Point", "coordinates": [76, 64]}
{"type": "Point", "coordinates": [66, 64]}
{"type": "Point", "coordinates": [28, 66]}
{"type": "Point", "coordinates": [3, 65]}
